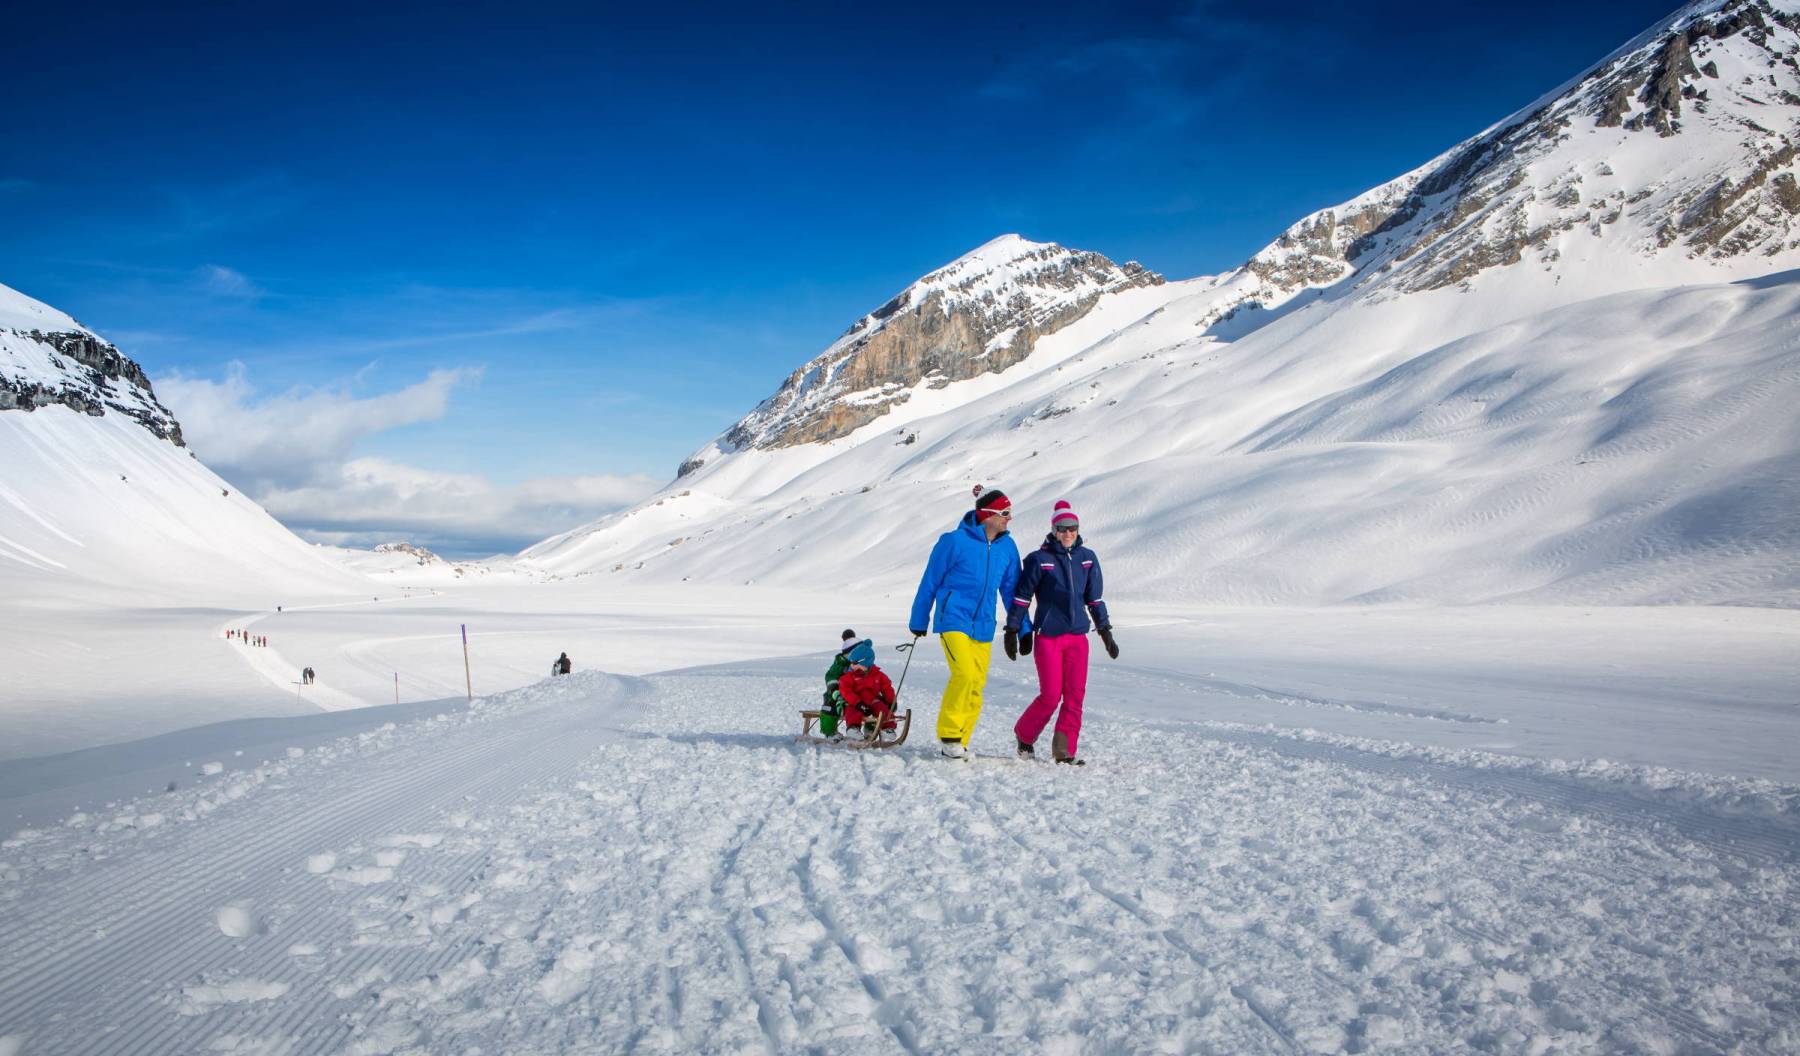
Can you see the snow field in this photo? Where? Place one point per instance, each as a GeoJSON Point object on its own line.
{"type": "Point", "coordinates": [134, 907]}
{"type": "Point", "coordinates": [606, 865]}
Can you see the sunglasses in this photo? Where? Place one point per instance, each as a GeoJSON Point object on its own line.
{"type": "Point", "coordinates": [1067, 529]}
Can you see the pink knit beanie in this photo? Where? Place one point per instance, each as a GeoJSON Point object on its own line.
{"type": "Point", "coordinates": [1064, 517]}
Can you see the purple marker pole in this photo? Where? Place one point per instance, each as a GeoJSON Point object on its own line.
{"type": "Point", "coordinates": [468, 681]}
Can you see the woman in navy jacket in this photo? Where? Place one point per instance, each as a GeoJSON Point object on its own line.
{"type": "Point", "coordinates": [1063, 576]}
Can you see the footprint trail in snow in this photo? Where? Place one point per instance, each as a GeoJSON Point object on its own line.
{"type": "Point", "coordinates": [602, 865]}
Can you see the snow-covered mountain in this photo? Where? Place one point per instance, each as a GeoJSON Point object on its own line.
{"type": "Point", "coordinates": [1553, 364]}
{"type": "Point", "coordinates": [101, 498]}
{"type": "Point", "coordinates": [980, 314]}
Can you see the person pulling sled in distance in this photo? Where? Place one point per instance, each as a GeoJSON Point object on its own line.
{"type": "Point", "coordinates": [972, 568]}
{"type": "Point", "coordinates": [1063, 575]}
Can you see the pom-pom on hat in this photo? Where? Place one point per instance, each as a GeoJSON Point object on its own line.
{"type": "Point", "coordinates": [1064, 517]}
{"type": "Point", "coordinates": [863, 653]}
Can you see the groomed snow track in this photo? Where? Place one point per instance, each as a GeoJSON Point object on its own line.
{"type": "Point", "coordinates": [599, 864]}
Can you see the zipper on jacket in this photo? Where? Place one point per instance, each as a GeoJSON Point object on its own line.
{"type": "Point", "coordinates": [1069, 556]}
{"type": "Point", "coordinates": [987, 573]}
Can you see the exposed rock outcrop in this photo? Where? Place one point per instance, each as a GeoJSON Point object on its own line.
{"type": "Point", "coordinates": [1506, 194]}
{"type": "Point", "coordinates": [417, 553]}
{"type": "Point", "coordinates": [77, 370]}
{"type": "Point", "coordinates": [981, 314]}
{"type": "Point", "coordinates": [1501, 194]}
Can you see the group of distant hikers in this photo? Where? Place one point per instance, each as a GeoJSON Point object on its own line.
{"type": "Point", "coordinates": [262, 641]}
{"type": "Point", "coordinates": [972, 567]}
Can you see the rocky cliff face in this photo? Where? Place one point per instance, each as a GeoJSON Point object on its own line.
{"type": "Point", "coordinates": [68, 365]}
{"type": "Point", "coordinates": [1719, 84]}
{"type": "Point", "coordinates": [980, 314]}
{"type": "Point", "coordinates": [1680, 144]}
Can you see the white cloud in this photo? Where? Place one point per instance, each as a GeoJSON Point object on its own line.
{"type": "Point", "coordinates": [225, 282]}
{"type": "Point", "coordinates": [300, 437]}
{"type": "Point", "coordinates": [375, 500]}
{"type": "Point", "coordinates": [295, 454]}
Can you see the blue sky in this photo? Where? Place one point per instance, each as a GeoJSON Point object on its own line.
{"type": "Point", "coordinates": [526, 257]}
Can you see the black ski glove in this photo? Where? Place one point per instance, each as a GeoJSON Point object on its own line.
{"type": "Point", "coordinates": [916, 632]}
{"type": "Point", "coordinates": [1112, 647]}
{"type": "Point", "coordinates": [1012, 644]}
{"type": "Point", "coordinates": [1025, 641]}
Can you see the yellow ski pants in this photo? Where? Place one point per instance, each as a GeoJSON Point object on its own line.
{"type": "Point", "coordinates": [962, 697]}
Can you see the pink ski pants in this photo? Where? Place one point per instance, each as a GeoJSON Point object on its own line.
{"type": "Point", "coordinates": [1062, 664]}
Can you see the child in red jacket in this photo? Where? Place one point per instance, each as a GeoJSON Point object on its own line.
{"type": "Point", "coordinates": [868, 695]}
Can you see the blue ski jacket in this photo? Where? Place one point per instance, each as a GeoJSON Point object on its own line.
{"type": "Point", "coordinates": [963, 580]}
{"type": "Point", "coordinates": [1066, 582]}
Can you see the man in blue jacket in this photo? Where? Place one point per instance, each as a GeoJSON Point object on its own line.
{"type": "Point", "coordinates": [972, 569]}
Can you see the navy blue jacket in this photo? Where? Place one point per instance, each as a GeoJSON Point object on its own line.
{"type": "Point", "coordinates": [1066, 583]}
{"type": "Point", "coordinates": [962, 580]}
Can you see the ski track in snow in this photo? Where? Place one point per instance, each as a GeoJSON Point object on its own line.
{"type": "Point", "coordinates": [599, 864]}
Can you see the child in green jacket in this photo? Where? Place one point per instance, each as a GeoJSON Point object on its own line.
{"type": "Point", "coordinates": [833, 708]}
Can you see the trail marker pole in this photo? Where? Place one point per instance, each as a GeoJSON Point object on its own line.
{"type": "Point", "coordinates": [468, 680]}
{"type": "Point", "coordinates": [396, 687]}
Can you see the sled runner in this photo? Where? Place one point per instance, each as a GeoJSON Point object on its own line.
{"type": "Point", "coordinates": [890, 738]}
{"type": "Point", "coordinates": [885, 737]}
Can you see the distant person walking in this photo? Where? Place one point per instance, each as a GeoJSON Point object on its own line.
{"type": "Point", "coordinates": [562, 665]}
{"type": "Point", "coordinates": [971, 568]}
{"type": "Point", "coordinates": [1063, 576]}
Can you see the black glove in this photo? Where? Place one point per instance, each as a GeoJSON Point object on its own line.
{"type": "Point", "coordinates": [1012, 644]}
{"type": "Point", "coordinates": [917, 632]}
{"type": "Point", "coordinates": [1112, 647]}
{"type": "Point", "coordinates": [1025, 643]}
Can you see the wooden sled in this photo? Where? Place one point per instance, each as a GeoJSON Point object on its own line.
{"type": "Point", "coordinates": [893, 738]}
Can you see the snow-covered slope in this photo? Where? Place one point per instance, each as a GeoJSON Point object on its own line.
{"type": "Point", "coordinates": [100, 499]}
{"type": "Point", "coordinates": [1554, 364]}
{"type": "Point", "coordinates": [556, 869]}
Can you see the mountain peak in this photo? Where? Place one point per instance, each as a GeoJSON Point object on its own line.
{"type": "Point", "coordinates": [1009, 243]}
{"type": "Point", "coordinates": [979, 314]}
{"type": "Point", "coordinates": [49, 359]}
{"type": "Point", "coordinates": [1671, 159]}
{"type": "Point", "coordinates": [19, 312]}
